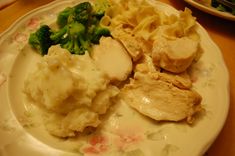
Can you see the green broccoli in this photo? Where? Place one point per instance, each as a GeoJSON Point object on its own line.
{"type": "Point", "coordinates": [79, 13]}
{"type": "Point", "coordinates": [83, 12]}
{"type": "Point", "coordinates": [62, 18]}
{"type": "Point", "coordinates": [40, 39]}
{"type": "Point", "coordinates": [59, 35]}
{"type": "Point", "coordinates": [79, 28]}
{"type": "Point", "coordinates": [83, 29]}
{"type": "Point", "coordinates": [100, 7]}
{"type": "Point", "coordinates": [97, 33]}
{"type": "Point", "coordinates": [95, 30]}
{"type": "Point", "coordinates": [75, 40]}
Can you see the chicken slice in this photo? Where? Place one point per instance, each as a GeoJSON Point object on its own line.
{"type": "Point", "coordinates": [145, 65]}
{"type": "Point", "coordinates": [181, 80]}
{"type": "Point", "coordinates": [131, 43]}
{"type": "Point", "coordinates": [161, 100]}
{"type": "Point", "coordinates": [111, 57]}
{"type": "Point", "coordinates": [132, 46]}
{"type": "Point", "coordinates": [174, 55]}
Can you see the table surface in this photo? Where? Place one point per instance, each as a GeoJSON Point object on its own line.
{"type": "Point", "coordinates": [221, 31]}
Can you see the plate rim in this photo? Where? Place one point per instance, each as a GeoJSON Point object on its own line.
{"type": "Point", "coordinates": [25, 15]}
{"type": "Point", "coordinates": [211, 10]}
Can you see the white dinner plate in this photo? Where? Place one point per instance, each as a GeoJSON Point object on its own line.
{"type": "Point", "coordinates": [124, 131]}
{"type": "Point", "coordinates": [211, 10]}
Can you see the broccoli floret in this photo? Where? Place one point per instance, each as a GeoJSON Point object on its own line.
{"type": "Point", "coordinates": [76, 41]}
{"type": "Point", "coordinates": [95, 31]}
{"type": "Point", "coordinates": [40, 39]}
{"type": "Point", "coordinates": [98, 32]}
{"type": "Point", "coordinates": [100, 7]}
{"type": "Point", "coordinates": [59, 35]}
{"type": "Point", "coordinates": [79, 28]}
{"type": "Point", "coordinates": [85, 45]}
{"type": "Point", "coordinates": [71, 45]}
{"type": "Point", "coordinates": [62, 18]}
{"type": "Point", "coordinates": [82, 12]}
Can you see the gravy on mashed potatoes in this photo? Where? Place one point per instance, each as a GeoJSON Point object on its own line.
{"type": "Point", "coordinates": [71, 89]}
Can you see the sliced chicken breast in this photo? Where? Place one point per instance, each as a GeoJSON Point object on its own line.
{"type": "Point", "coordinates": [133, 46]}
{"type": "Point", "coordinates": [112, 58]}
{"type": "Point", "coordinates": [181, 80]}
{"type": "Point", "coordinates": [161, 100]}
{"type": "Point", "coordinates": [174, 55]}
{"type": "Point", "coordinates": [145, 65]}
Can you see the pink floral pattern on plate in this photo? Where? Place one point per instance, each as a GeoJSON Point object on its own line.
{"type": "Point", "coordinates": [96, 145]}
{"type": "Point", "coordinates": [33, 23]}
{"type": "Point", "coordinates": [125, 141]}
{"type": "Point", "coordinates": [21, 37]}
{"type": "Point", "coordinates": [121, 140]}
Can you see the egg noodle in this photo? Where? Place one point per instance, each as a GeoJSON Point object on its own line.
{"type": "Point", "coordinates": [143, 21]}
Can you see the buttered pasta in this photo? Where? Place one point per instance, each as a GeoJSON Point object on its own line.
{"type": "Point", "coordinates": [141, 21]}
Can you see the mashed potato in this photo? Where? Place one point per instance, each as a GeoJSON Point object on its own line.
{"type": "Point", "coordinates": [71, 89]}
